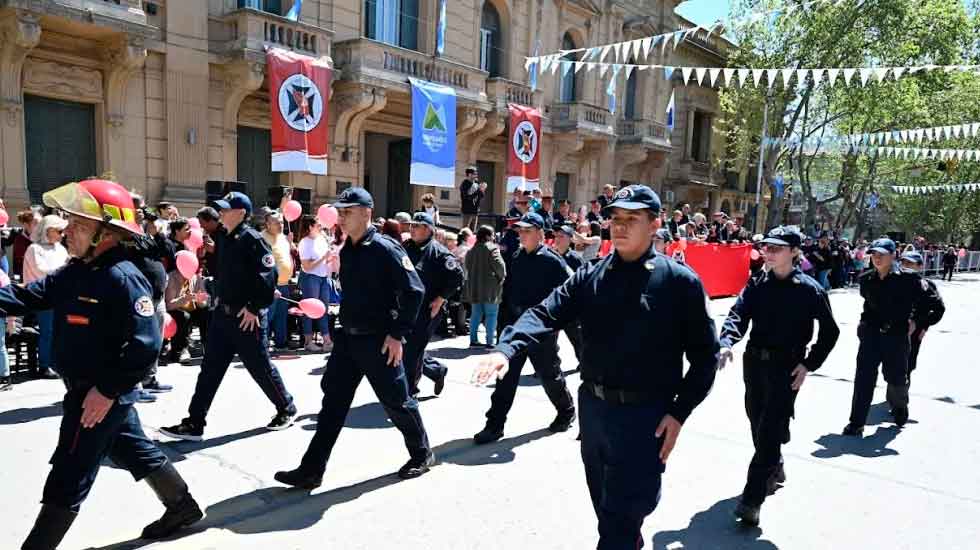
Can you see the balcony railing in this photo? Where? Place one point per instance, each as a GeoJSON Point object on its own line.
{"type": "Point", "coordinates": [123, 15]}
{"type": "Point", "coordinates": [251, 31]}
{"type": "Point", "coordinates": [501, 90]}
{"type": "Point", "coordinates": [581, 116]}
{"type": "Point", "coordinates": [366, 59]}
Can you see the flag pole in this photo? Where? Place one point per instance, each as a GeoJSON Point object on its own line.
{"type": "Point", "coordinates": [758, 177]}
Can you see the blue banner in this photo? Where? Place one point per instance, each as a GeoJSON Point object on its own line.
{"type": "Point", "coordinates": [433, 135]}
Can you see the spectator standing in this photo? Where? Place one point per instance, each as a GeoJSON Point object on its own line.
{"type": "Point", "coordinates": [42, 258]}
{"type": "Point", "coordinates": [282, 252]}
{"type": "Point", "coordinates": [471, 192]}
{"type": "Point", "coordinates": [821, 257]}
{"type": "Point", "coordinates": [430, 207]}
{"type": "Point", "coordinates": [686, 214]}
{"type": "Point", "coordinates": [28, 220]}
{"type": "Point", "coordinates": [485, 273]}
{"type": "Point", "coordinates": [563, 215]}
{"type": "Point", "coordinates": [950, 259]}
{"type": "Point", "coordinates": [675, 224]}
{"type": "Point", "coordinates": [316, 255]}
{"type": "Point", "coordinates": [608, 193]}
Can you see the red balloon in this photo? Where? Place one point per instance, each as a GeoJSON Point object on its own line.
{"type": "Point", "coordinates": [327, 215]}
{"type": "Point", "coordinates": [169, 326]}
{"type": "Point", "coordinates": [754, 254]}
{"type": "Point", "coordinates": [4, 217]}
{"type": "Point", "coordinates": [313, 308]}
{"type": "Point", "coordinates": [292, 211]}
{"type": "Point", "coordinates": [187, 263]}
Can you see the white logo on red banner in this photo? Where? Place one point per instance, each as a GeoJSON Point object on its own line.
{"type": "Point", "coordinates": [523, 158]}
{"type": "Point", "coordinates": [525, 142]}
{"type": "Point", "coordinates": [300, 103]}
{"type": "Point", "coordinates": [299, 88]}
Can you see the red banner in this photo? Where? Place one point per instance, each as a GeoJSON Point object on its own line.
{"type": "Point", "coordinates": [723, 268]}
{"type": "Point", "coordinates": [299, 95]}
{"type": "Point", "coordinates": [524, 153]}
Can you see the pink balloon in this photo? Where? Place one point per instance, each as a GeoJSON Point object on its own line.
{"type": "Point", "coordinates": [4, 217]}
{"type": "Point", "coordinates": [292, 211]}
{"type": "Point", "coordinates": [194, 223]}
{"type": "Point", "coordinates": [169, 326]}
{"type": "Point", "coordinates": [754, 254]}
{"type": "Point", "coordinates": [4, 280]}
{"type": "Point", "coordinates": [187, 263]}
{"type": "Point", "coordinates": [962, 253]}
{"type": "Point", "coordinates": [313, 308]}
{"type": "Point", "coordinates": [327, 215]}
{"type": "Point", "coordinates": [195, 240]}
{"type": "Point", "coordinates": [471, 241]}
{"type": "Point", "coordinates": [296, 311]}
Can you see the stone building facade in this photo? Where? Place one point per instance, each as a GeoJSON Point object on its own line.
{"type": "Point", "coordinates": [171, 96]}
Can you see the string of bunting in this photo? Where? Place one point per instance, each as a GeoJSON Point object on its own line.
{"type": "Point", "coordinates": [916, 135]}
{"type": "Point", "coordinates": [930, 189]}
{"type": "Point", "coordinates": [903, 153]}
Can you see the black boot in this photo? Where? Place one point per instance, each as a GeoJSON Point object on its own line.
{"type": "Point", "coordinates": [50, 527]}
{"type": "Point", "coordinates": [182, 509]}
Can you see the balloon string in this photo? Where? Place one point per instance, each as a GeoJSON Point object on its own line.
{"type": "Point", "coordinates": [288, 300]}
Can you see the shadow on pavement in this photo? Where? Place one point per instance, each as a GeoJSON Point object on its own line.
{"type": "Point", "coordinates": [463, 452]}
{"type": "Point", "coordinates": [873, 446]}
{"type": "Point", "coordinates": [714, 528]}
{"type": "Point", "coordinates": [22, 416]}
{"type": "Point", "coordinates": [369, 416]}
{"type": "Point", "coordinates": [457, 353]}
{"type": "Point", "coordinates": [177, 451]}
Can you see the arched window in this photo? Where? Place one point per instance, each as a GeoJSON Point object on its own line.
{"type": "Point", "coordinates": [567, 92]}
{"type": "Point", "coordinates": [629, 111]}
{"type": "Point", "coordinates": [491, 41]}
{"type": "Point", "coordinates": [393, 22]}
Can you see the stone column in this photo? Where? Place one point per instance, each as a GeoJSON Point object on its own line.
{"type": "Point", "coordinates": [19, 34]}
{"type": "Point", "coordinates": [122, 59]}
{"type": "Point", "coordinates": [241, 79]}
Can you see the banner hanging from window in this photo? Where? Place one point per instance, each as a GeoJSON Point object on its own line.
{"type": "Point", "coordinates": [433, 135]}
{"type": "Point", "coordinates": [299, 90]}
{"type": "Point", "coordinates": [523, 155]}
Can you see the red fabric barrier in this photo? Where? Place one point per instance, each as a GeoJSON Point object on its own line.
{"type": "Point", "coordinates": [723, 268]}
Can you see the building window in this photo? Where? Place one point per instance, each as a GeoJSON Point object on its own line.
{"type": "Point", "coordinates": [629, 112]}
{"type": "Point", "coordinates": [268, 6]}
{"type": "Point", "coordinates": [701, 137]}
{"type": "Point", "coordinates": [393, 22]}
{"type": "Point", "coordinates": [567, 91]}
{"type": "Point", "coordinates": [60, 143]}
{"type": "Point", "coordinates": [561, 186]}
{"type": "Point", "coordinates": [490, 40]}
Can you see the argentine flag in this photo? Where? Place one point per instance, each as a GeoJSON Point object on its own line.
{"type": "Point", "coordinates": [293, 13]}
{"type": "Point", "coordinates": [670, 113]}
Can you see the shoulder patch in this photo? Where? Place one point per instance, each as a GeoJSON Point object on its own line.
{"type": "Point", "coordinates": [650, 265]}
{"type": "Point", "coordinates": [407, 264]}
{"type": "Point", "coordinates": [268, 260]}
{"type": "Point", "coordinates": [451, 263]}
{"type": "Point", "coordinates": [925, 284]}
{"type": "Point", "coordinates": [144, 306]}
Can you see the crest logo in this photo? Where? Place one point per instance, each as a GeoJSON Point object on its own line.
{"type": "Point", "coordinates": [300, 103]}
{"type": "Point", "coordinates": [625, 193]}
{"type": "Point", "coordinates": [525, 142]}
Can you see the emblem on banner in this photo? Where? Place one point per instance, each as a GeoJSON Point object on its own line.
{"type": "Point", "coordinates": [300, 103]}
{"type": "Point", "coordinates": [434, 127]}
{"type": "Point", "coordinates": [525, 142]}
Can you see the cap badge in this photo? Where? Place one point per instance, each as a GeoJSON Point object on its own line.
{"type": "Point", "coordinates": [625, 193]}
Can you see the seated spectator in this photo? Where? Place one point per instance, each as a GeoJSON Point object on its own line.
{"type": "Point", "coordinates": [187, 303]}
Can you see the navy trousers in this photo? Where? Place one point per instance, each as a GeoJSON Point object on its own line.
{"type": "Point", "coordinates": [891, 352]}
{"type": "Point", "coordinates": [353, 358]}
{"type": "Point", "coordinates": [769, 404]}
{"type": "Point", "coordinates": [544, 359]}
{"type": "Point", "coordinates": [225, 339]}
{"type": "Point", "coordinates": [414, 349]}
{"type": "Point", "coordinates": [80, 451]}
{"type": "Point", "coordinates": [622, 466]}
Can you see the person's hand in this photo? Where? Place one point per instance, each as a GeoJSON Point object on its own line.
{"type": "Point", "coordinates": [393, 348]}
{"type": "Point", "coordinates": [277, 294]}
{"type": "Point", "coordinates": [436, 306]}
{"type": "Point", "coordinates": [483, 186]}
{"type": "Point", "coordinates": [249, 320]}
{"type": "Point", "coordinates": [202, 297]}
{"type": "Point", "coordinates": [911, 327]}
{"type": "Point", "coordinates": [669, 429]}
{"type": "Point", "coordinates": [725, 356]}
{"type": "Point", "coordinates": [799, 376]}
{"type": "Point", "coordinates": [922, 334]}
{"type": "Point", "coordinates": [94, 408]}
{"type": "Point", "coordinates": [489, 367]}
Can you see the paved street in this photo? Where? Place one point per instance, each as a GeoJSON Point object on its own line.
{"type": "Point", "coordinates": [913, 488]}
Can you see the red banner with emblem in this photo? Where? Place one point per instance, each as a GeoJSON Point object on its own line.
{"type": "Point", "coordinates": [299, 95]}
{"type": "Point", "coordinates": [524, 150]}
{"type": "Point", "coordinates": [723, 268]}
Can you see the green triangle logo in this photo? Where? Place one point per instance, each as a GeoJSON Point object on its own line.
{"type": "Point", "coordinates": [433, 119]}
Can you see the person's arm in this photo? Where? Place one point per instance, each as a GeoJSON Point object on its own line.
{"type": "Point", "coordinates": [307, 255]}
{"type": "Point", "coordinates": [929, 307]}
{"type": "Point", "coordinates": [736, 324]}
{"type": "Point", "coordinates": [141, 339]}
{"type": "Point", "coordinates": [498, 265]}
{"type": "Point", "coordinates": [408, 289]}
{"type": "Point", "coordinates": [827, 334]}
{"type": "Point", "coordinates": [16, 300]}
{"type": "Point", "coordinates": [453, 276]}
{"type": "Point", "coordinates": [171, 295]}
{"type": "Point", "coordinates": [700, 345]}
{"type": "Point", "coordinates": [265, 278]}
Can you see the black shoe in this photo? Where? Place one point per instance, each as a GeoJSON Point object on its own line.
{"type": "Point", "coordinates": [186, 430]}
{"type": "Point", "coordinates": [562, 422]}
{"type": "Point", "coordinates": [47, 374]}
{"type": "Point", "coordinates": [477, 345]}
{"type": "Point", "coordinates": [775, 481]}
{"type": "Point", "coordinates": [901, 416]}
{"type": "Point", "coordinates": [441, 382]}
{"type": "Point", "coordinates": [748, 515]}
{"type": "Point", "coordinates": [5, 383]}
{"type": "Point", "coordinates": [155, 386]}
{"type": "Point", "coordinates": [182, 509]}
{"type": "Point", "coordinates": [416, 468]}
{"type": "Point", "coordinates": [282, 421]}
{"type": "Point", "coordinates": [488, 435]}
{"type": "Point", "coordinates": [780, 474]}
{"type": "Point", "coordinates": [296, 478]}
{"type": "Point", "coordinates": [853, 429]}
{"type": "Point", "coordinates": [50, 528]}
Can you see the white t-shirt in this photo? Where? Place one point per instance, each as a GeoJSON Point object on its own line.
{"type": "Point", "coordinates": [311, 249]}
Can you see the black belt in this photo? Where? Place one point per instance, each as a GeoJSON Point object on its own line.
{"type": "Point", "coordinates": [774, 354]}
{"type": "Point", "coordinates": [621, 397]}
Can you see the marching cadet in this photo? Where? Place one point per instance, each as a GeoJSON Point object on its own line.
{"type": "Point", "coordinates": [382, 294]}
{"type": "Point", "coordinates": [108, 338]}
{"type": "Point", "coordinates": [534, 271]}
{"type": "Point", "coordinates": [563, 246]}
{"type": "Point", "coordinates": [441, 276]}
{"type": "Point", "coordinates": [661, 240]}
{"type": "Point", "coordinates": [246, 280]}
{"type": "Point", "coordinates": [913, 261]}
{"type": "Point", "coordinates": [634, 395]}
{"type": "Point", "coordinates": [781, 305]}
{"type": "Point", "coordinates": [896, 302]}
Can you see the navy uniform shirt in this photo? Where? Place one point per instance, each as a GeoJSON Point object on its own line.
{"type": "Point", "coordinates": [439, 270]}
{"type": "Point", "coordinates": [246, 274]}
{"type": "Point", "coordinates": [382, 289]}
{"type": "Point", "coordinates": [782, 312]}
{"type": "Point", "coordinates": [105, 329]}
{"type": "Point", "coordinates": [934, 308]}
{"type": "Point", "coordinates": [531, 276]}
{"type": "Point", "coordinates": [891, 302]}
{"type": "Point", "coordinates": [630, 347]}
{"type": "Point", "coordinates": [573, 259]}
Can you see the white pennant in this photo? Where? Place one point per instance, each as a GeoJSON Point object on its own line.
{"type": "Point", "coordinates": [602, 70]}
{"type": "Point", "coordinates": [801, 77]}
{"type": "Point", "coordinates": [897, 72]}
{"type": "Point", "coordinates": [743, 77]}
{"type": "Point", "coordinates": [590, 67]}
{"type": "Point", "coordinates": [686, 72]}
{"type": "Point", "coordinates": [713, 76]}
{"type": "Point", "coordinates": [578, 66]}
{"type": "Point", "coordinates": [787, 76]}
{"type": "Point", "coordinates": [554, 67]}
{"type": "Point", "coordinates": [617, 54]}
{"type": "Point", "coordinates": [629, 71]}
{"type": "Point", "coordinates": [647, 43]}
{"type": "Point", "coordinates": [865, 75]}
{"type": "Point", "coordinates": [637, 48]}
{"type": "Point", "coordinates": [832, 76]}
{"type": "Point", "coordinates": [848, 74]}
{"type": "Point", "coordinates": [817, 76]}
{"type": "Point", "coordinates": [771, 76]}
{"type": "Point", "coordinates": [728, 74]}
{"type": "Point", "coordinates": [605, 52]}
{"type": "Point", "coordinates": [699, 74]}
{"type": "Point", "coordinates": [757, 76]}
{"type": "Point", "coordinates": [678, 36]}
{"type": "Point", "coordinates": [880, 74]}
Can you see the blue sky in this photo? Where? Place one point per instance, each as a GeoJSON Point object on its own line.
{"type": "Point", "coordinates": [704, 12]}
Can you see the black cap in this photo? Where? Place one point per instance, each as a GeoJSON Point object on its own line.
{"type": "Point", "coordinates": [882, 246]}
{"type": "Point", "coordinates": [784, 236]}
{"type": "Point", "coordinates": [235, 200]}
{"type": "Point", "coordinates": [566, 229]}
{"type": "Point", "coordinates": [354, 196]}
{"type": "Point", "coordinates": [471, 170]}
{"type": "Point", "coordinates": [531, 220]}
{"type": "Point", "coordinates": [913, 257]}
{"type": "Point", "coordinates": [422, 218]}
{"type": "Point", "coordinates": [663, 235]}
{"type": "Point", "coordinates": [635, 197]}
